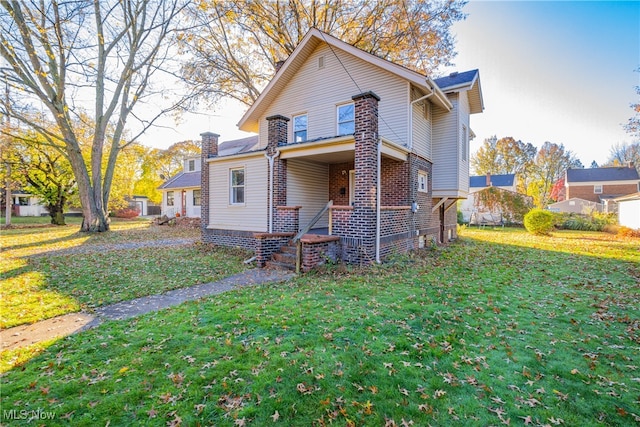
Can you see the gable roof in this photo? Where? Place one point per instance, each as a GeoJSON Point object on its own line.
{"type": "Point", "coordinates": [313, 38]}
{"type": "Point", "coordinates": [237, 146]}
{"type": "Point", "coordinates": [182, 180]}
{"type": "Point", "coordinates": [602, 174]}
{"type": "Point", "coordinates": [227, 148]}
{"type": "Point", "coordinates": [480, 181]}
{"type": "Point", "coordinates": [468, 81]}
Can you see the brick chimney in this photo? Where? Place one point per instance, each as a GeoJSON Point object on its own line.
{"type": "Point", "coordinates": [488, 182]}
{"type": "Point", "coordinates": [631, 165]}
{"type": "Point", "coordinates": [208, 149]}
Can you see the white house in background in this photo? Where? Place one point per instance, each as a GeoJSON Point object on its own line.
{"type": "Point", "coordinates": [182, 194]}
{"type": "Point", "coordinates": [470, 211]}
{"type": "Point", "coordinates": [25, 204]}
{"type": "Point", "coordinates": [629, 210]}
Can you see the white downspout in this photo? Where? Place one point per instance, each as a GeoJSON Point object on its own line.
{"type": "Point", "coordinates": [411, 116]}
{"type": "Point", "coordinates": [271, 158]}
{"type": "Point", "coordinates": [378, 202]}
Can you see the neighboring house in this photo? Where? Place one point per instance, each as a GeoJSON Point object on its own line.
{"type": "Point", "coordinates": [140, 204]}
{"type": "Point", "coordinates": [576, 205]}
{"type": "Point", "coordinates": [602, 185]}
{"type": "Point", "coordinates": [387, 146]}
{"type": "Point", "coordinates": [629, 210]}
{"type": "Point", "coordinates": [182, 193]}
{"type": "Point", "coordinates": [25, 204]}
{"type": "Point", "coordinates": [471, 212]}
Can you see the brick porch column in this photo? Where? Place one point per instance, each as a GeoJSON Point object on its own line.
{"type": "Point", "coordinates": [209, 148]}
{"type": "Point", "coordinates": [366, 167]}
{"type": "Point", "coordinates": [277, 133]}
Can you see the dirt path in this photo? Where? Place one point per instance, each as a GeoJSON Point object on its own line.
{"type": "Point", "coordinates": [62, 326]}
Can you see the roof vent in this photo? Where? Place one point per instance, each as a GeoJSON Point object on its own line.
{"type": "Point", "coordinates": [455, 73]}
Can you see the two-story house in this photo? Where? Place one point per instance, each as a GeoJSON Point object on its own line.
{"type": "Point", "coordinates": [384, 148]}
{"type": "Point", "coordinates": [602, 185]}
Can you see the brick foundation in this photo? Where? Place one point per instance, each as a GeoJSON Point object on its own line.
{"type": "Point", "coordinates": [231, 238]}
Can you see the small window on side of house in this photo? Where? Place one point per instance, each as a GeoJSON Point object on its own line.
{"type": "Point", "coordinates": [191, 166]}
{"type": "Point", "coordinates": [237, 185]}
{"type": "Point", "coordinates": [300, 128]}
{"type": "Point", "coordinates": [423, 183]}
{"type": "Point", "coordinates": [321, 62]}
{"type": "Point", "coordinates": [196, 197]}
{"type": "Point", "coordinates": [597, 189]}
{"type": "Point", "coordinates": [169, 198]}
{"type": "Point", "coordinates": [346, 119]}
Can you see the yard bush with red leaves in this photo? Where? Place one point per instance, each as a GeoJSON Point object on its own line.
{"type": "Point", "coordinates": [126, 213]}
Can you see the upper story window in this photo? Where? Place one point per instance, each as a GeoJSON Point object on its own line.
{"type": "Point", "coordinates": [169, 198]}
{"type": "Point", "coordinates": [423, 183]}
{"type": "Point", "coordinates": [346, 119]}
{"type": "Point", "coordinates": [196, 197]}
{"type": "Point", "coordinates": [191, 165]}
{"type": "Point", "coordinates": [597, 189]}
{"type": "Point", "coordinates": [236, 188]}
{"type": "Point", "coordinates": [300, 128]}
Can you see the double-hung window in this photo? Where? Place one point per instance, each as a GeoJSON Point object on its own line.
{"type": "Point", "coordinates": [423, 183]}
{"type": "Point", "coordinates": [346, 119]}
{"type": "Point", "coordinates": [300, 128]}
{"type": "Point", "coordinates": [236, 190]}
{"type": "Point", "coordinates": [597, 189]}
{"type": "Point", "coordinates": [169, 198]}
{"type": "Point", "coordinates": [196, 197]}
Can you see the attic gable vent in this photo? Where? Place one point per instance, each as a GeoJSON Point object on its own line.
{"type": "Point", "coordinates": [321, 62]}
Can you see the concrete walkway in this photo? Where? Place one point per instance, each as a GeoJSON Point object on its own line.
{"type": "Point", "coordinates": [62, 326]}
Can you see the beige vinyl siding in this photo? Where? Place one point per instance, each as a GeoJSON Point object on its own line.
{"type": "Point", "coordinates": [304, 94]}
{"type": "Point", "coordinates": [463, 112]}
{"type": "Point", "coordinates": [445, 148]}
{"type": "Point", "coordinates": [252, 216]}
{"type": "Point", "coordinates": [308, 186]}
{"type": "Point", "coordinates": [421, 126]}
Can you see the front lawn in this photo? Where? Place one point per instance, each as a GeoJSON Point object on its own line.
{"type": "Point", "coordinates": [46, 272]}
{"type": "Point", "coordinates": [500, 328]}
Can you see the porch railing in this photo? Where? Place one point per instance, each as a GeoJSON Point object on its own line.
{"type": "Point", "coordinates": [305, 230]}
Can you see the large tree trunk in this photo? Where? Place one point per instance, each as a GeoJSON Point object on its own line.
{"type": "Point", "coordinates": [56, 214]}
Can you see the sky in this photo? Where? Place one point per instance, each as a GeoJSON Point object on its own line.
{"type": "Point", "coordinates": [553, 71]}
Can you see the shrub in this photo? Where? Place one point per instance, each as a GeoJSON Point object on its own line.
{"type": "Point", "coordinates": [593, 222]}
{"type": "Point", "coordinates": [538, 221]}
{"type": "Point", "coordinates": [628, 232]}
{"type": "Point", "coordinates": [126, 213]}
{"type": "Point", "coordinates": [460, 218]}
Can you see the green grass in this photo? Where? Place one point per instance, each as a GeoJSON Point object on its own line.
{"type": "Point", "coordinates": [500, 327]}
{"type": "Point", "coordinates": [46, 272]}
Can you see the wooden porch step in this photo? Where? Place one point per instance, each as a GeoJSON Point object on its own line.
{"type": "Point", "coordinates": [276, 265]}
{"type": "Point", "coordinates": [285, 257]}
{"type": "Point", "coordinates": [288, 250]}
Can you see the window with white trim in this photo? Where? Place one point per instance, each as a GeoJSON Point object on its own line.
{"type": "Point", "coordinates": [300, 128]}
{"type": "Point", "coordinates": [597, 189]}
{"type": "Point", "coordinates": [196, 197]}
{"type": "Point", "coordinates": [423, 183]}
{"type": "Point", "coordinates": [346, 119]}
{"type": "Point", "coordinates": [236, 187]}
{"type": "Point", "coordinates": [169, 198]}
{"type": "Point", "coordinates": [191, 165]}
